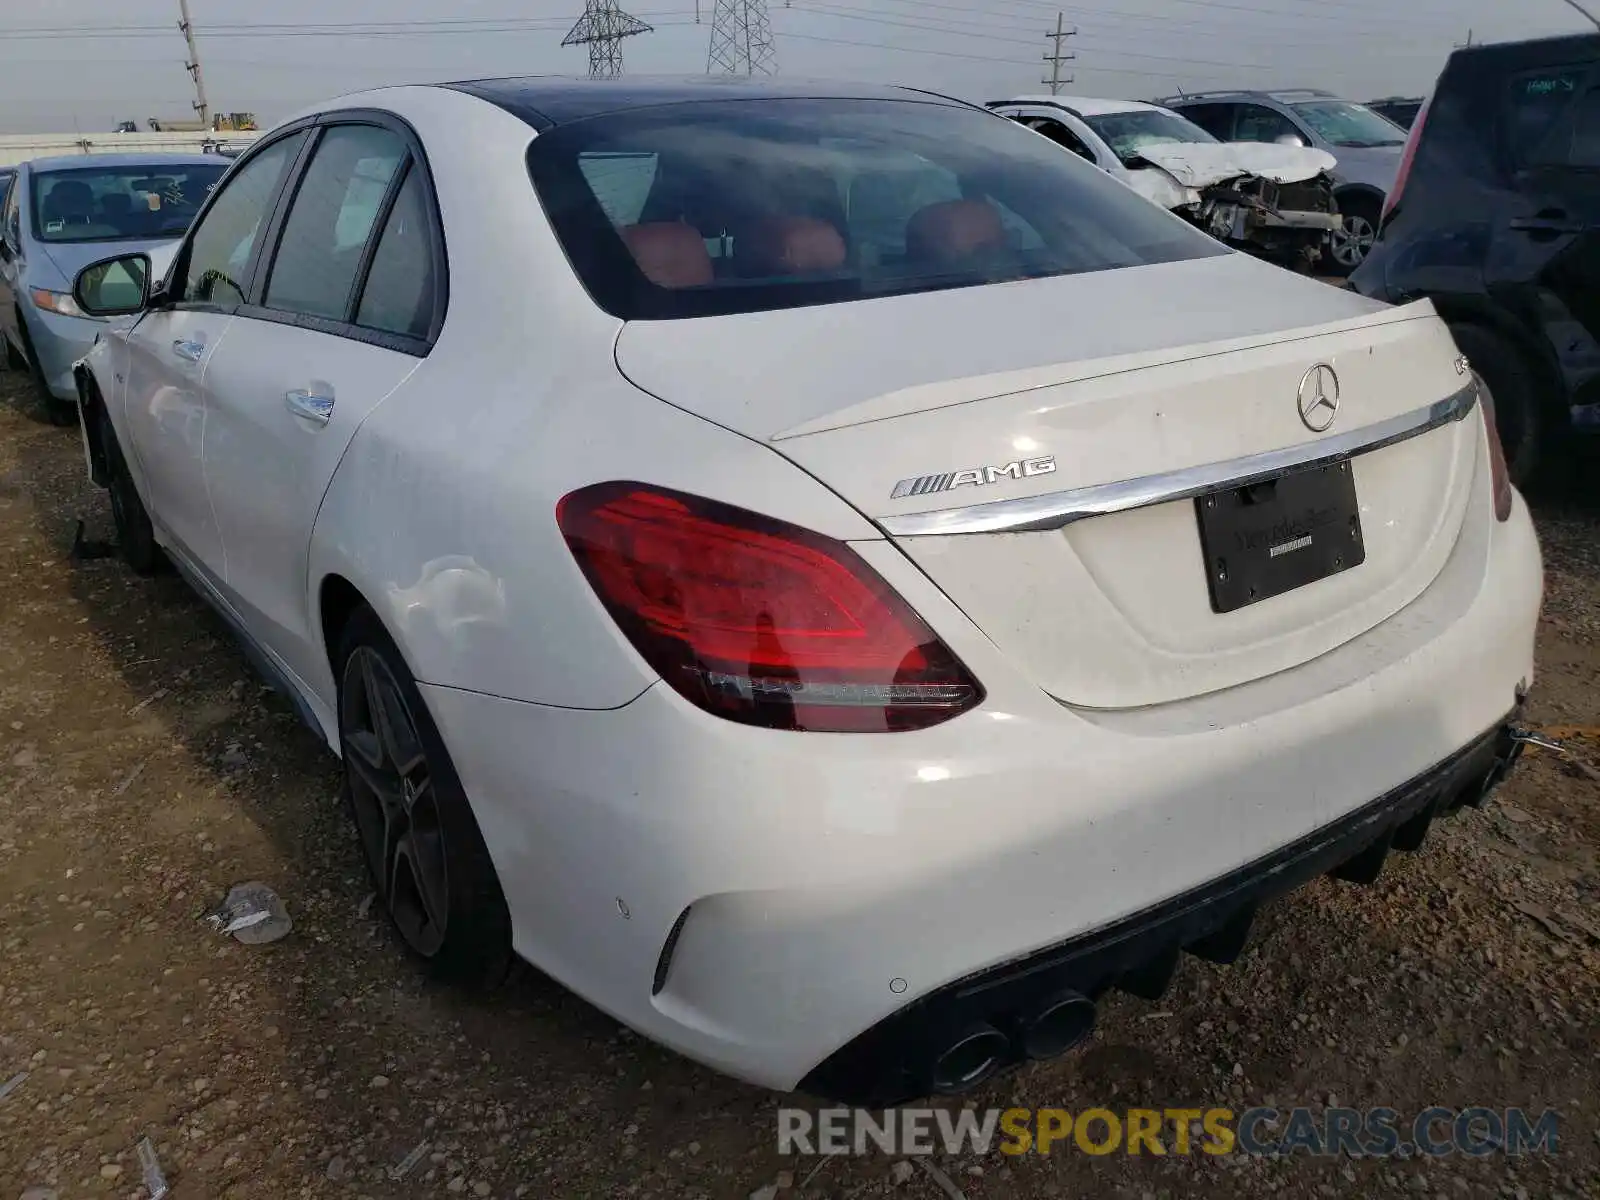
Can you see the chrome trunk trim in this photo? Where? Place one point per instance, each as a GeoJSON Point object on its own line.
{"type": "Point", "coordinates": [1056, 509]}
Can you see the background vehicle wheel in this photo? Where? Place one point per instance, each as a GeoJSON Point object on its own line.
{"type": "Point", "coordinates": [1516, 397]}
{"type": "Point", "coordinates": [427, 857]}
{"type": "Point", "coordinates": [15, 359]}
{"type": "Point", "coordinates": [136, 538]}
{"type": "Point", "coordinates": [1348, 248]}
{"type": "Point", "coordinates": [57, 412]}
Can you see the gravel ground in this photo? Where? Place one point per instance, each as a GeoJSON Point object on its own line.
{"type": "Point", "coordinates": [143, 770]}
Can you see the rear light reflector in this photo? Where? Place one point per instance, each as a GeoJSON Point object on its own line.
{"type": "Point", "coordinates": [1499, 477]}
{"type": "Point", "coordinates": [757, 620]}
{"type": "Point", "coordinates": [1407, 157]}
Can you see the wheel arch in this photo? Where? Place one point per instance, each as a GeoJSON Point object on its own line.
{"type": "Point", "coordinates": [1363, 193]}
{"type": "Point", "coordinates": [92, 404]}
{"type": "Point", "coordinates": [1471, 310]}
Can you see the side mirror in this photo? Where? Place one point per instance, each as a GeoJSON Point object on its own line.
{"type": "Point", "coordinates": [114, 287]}
{"type": "Point", "coordinates": [1290, 139]}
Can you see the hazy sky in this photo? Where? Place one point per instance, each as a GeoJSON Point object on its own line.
{"type": "Point", "coordinates": [105, 60]}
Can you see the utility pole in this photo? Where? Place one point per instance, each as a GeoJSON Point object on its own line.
{"type": "Point", "coordinates": [200, 105]}
{"type": "Point", "coordinates": [1055, 59]}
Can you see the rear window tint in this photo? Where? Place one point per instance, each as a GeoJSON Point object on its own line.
{"type": "Point", "coordinates": [723, 207]}
{"type": "Point", "coordinates": [1534, 105]}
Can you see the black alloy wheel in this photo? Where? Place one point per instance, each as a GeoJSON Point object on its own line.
{"type": "Point", "coordinates": [396, 806]}
{"type": "Point", "coordinates": [427, 857]}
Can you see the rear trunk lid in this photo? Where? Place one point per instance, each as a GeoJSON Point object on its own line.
{"type": "Point", "coordinates": [918, 408]}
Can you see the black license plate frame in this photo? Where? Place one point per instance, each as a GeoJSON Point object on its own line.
{"type": "Point", "coordinates": [1279, 534]}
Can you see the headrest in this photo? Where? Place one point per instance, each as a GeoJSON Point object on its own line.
{"type": "Point", "coordinates": [952, 230]}
{"type": "Point", "coordinates": [671, 254]}
{"type": "Point", "coordinates": [790, 246]}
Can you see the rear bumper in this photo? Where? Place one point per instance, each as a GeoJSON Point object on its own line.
{"type": "Point", "coordinates": [760, 900]}
{"type": "Point", "coordinates": [893, 1061]}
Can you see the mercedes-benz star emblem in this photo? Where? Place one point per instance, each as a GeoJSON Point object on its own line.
{"type": "Point", "coordinates": [1319, 397]}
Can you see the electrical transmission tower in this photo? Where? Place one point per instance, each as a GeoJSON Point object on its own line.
{"type": "Point", "coordinates": [1056, 59]}
{"type": "Point", "coordinates": [741, 39]}
{"type": "Point", "coordinates": [602, 28]}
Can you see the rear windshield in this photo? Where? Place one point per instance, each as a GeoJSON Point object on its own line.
{"type": "Point", "coordinates": [120, 204]}
{"type": "Point", "coordinates": [1346, 124]}
{"type": "Point", "coordinates": [1127, 133]}
{"type": "Point", "coordinates": [746, 206]}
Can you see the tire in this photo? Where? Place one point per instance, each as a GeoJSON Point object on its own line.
{"type": "Point", "coordinates": [136, 537]}
{"type": "Point", "coordinates": [16, 360]}
{"type": "Point", "coordinates": [1514, 386]}
{"type": "Point", "coordinates": [57, 412]}
{"type": "Point", "coordinates": [1349, 249]}
{"type": "Point", "coordinates": [426, 855]}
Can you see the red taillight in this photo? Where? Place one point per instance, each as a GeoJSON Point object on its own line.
{"type": "Point", "coordinates": [760, 621]}
{"type": "Point", "coordinates": [1407, 157]}
{"type": "Point", "coordinates": [1499, 477]}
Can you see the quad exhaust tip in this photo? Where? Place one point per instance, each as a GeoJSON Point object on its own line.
{"type": "Point", "coordinates": [1059, 1026]}
{"type": "Point", "coordinates": [977, 1054]}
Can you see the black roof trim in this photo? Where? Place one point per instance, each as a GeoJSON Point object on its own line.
{"type": "Point", "coordinates": [545, 101]}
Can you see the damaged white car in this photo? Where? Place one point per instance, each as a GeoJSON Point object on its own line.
{"type": "Point", "coordinates": [1274, 200]}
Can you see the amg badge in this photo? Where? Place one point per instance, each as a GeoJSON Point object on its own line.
{"type": "Point", "coordinates": [926, 485]}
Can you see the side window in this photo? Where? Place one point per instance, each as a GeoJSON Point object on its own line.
{"type": "Point", "coordinates": [1061, 136]}
{"type": "Point", "coordinates": [398, 296]}
{"type": "Point", "coordinates": [1215, 119]}
{"type": "Point", "coordinates": [620, 182]}
{"type": "Point", "coordinates": [220, 247]}
{"type": "Point", "coordinates": [1583, 149]}
{"type": "Point", "coordinates": [1257, 123]}
{"type": "Point", "coordinates": [331, 218]}
{"type": "Point", "coordinates": [1534, 110]}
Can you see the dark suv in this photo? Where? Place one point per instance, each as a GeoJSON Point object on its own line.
{"type": "Point", "coordinates": [1495, 216]}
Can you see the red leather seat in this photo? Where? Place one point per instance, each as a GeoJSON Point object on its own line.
{"type": "Point", "coordinates": [670, 253]}
{"type": "Point", "coordinates": [789, 246]}
{"type": "Point", "coordinates": [953, 230]}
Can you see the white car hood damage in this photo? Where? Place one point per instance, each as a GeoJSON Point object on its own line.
{"type": "Point", "coordinates": [1179, 170]}
{"type": "Point", "coordinates": [1201, 164]}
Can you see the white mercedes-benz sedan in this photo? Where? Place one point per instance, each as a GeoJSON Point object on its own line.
{"type": "Point", "coordinates": [831, 579]}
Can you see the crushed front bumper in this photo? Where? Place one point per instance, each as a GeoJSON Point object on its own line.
{"type": "Point", "coordinates": [896, 1059]}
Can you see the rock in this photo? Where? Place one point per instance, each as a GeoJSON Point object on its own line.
{"type": "Point", "coordinates": [336, 1169]}
{"type": "Point", "coordinates": [901, 1172]}
{"type": "Point", "coordinates": [767, 1192]}
{"type": "Point", "coordinates": [111, 1171]}
{"type": "Point", "coordinates": [785, 1179]}
{"type": "Point", "coordinates": [458, 1184]}
{"type": "Point", "coordinates": [40, 1193]}
{"type": "Point", "coordinates": [380, 1081]}
{"type": "Point", "coordinates": [25, 758]}
{"type": "Point", "coordinates": [481, 1188]}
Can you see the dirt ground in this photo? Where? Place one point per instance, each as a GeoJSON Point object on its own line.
{"type": "Point", "coordinates": [143, 770]}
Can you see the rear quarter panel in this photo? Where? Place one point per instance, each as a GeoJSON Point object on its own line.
{"type": "Point", "coordinates": [442, 512]}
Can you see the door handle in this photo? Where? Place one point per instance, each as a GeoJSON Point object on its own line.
{"type": "Point", "coordinates": [1552, 222]}
{"type": "Point", "coordinates": [193, 351]}
{"type": "Point", "coordinates": [309, 405]}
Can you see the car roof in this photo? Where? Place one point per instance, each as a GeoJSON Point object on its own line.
{"type": "Point", "coordinates": [1578, 45]}
{"type": "Point", "coordinates": [1085, 106]}
{"type": "Point", "coordinates": [547, 100]}
{"type": "Point", "coordinates": [1282, 95]}
{"type": "Point", "coordinates": [112, 161]}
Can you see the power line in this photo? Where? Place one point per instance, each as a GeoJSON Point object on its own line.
{"type": "Point", "coordinates": [1057, 58]}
